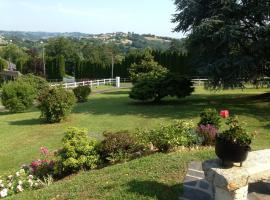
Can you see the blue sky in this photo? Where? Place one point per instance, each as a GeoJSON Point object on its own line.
{"type": "Point", "coordinates": [89, 16]}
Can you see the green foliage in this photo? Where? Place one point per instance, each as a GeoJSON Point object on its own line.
{"type": "Point", "coordinates": [79, 152]}
{"type": "Point", "coordinates": [37, 82]}
{"type": "Point", "coordinates": [3, 64]}
{"type": "Point", "coordinates": [17, 96]}
{"type": "Point", "coordinates": [144, 66]}
{"type": "Point", "coordinates": [154, 86]}
{"type": "Point", "coordinates": [81, 93]}
{"type": "Point", "coordinates": [209, 116]}
{"type": "Point", "coordinates": [236, 133]}
{"type": "Point", "coordinates": [61, 66]}
{"type": "Point", "coordinates": [55, 104]}
{"type": "Point", "coordinates": [228, 40]}
{"type": "Point", "coordinates": [119, 146]}
{"type": "Point", "coordinates": [167, 137]}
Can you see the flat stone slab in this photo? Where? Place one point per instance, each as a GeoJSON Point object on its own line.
{"type": "Point", "coordinates": [254, 169]}
{"type": "Point", "coordinates": [195, 185]}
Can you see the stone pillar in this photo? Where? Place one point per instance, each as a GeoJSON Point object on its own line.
{"type": "Point", "coordinates": [117, 82]}
{"type": "Point", "coordinates": [239, 194]}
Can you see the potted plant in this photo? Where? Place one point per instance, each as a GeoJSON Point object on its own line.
{"type": "Point", "coordinates": [233, 144]}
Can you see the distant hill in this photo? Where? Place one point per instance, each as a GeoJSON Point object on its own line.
{"type": "Point", "coordinates": [126, 40]}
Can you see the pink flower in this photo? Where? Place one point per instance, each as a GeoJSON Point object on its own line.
{"type": "Point", "coordinates": [44, 151]}
{"type": "Point", "coordinates": [224, 113]}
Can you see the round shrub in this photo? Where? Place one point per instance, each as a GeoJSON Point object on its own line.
{"type": "Point", "coordinates": [119, 146]}
{"type": "Point", "coordinates": [209, 116]}
{"type": "Point", "coordinates": [81, 93]}
{"type": "Point", "coordinates": [37, 82]}
{"type": "Point", "coordinates": [155, 86]}
{"type": "Point", "coordinates": [55, 104]}
{"type": "Point", "coordinates": [17, 96]}
{"type": "Point", "coordinates": [79, 152]}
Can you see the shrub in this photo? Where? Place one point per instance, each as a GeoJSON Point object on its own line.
{"type": "Point", "coordinates": [44, 167]}
{"type": "Point", "coordinates": [119, 146]}
{"type": "Point", "coordinates": [210, 116]}
{"type": "Point", "coordinates": [79, 152]}
{"type": "Point", "coordinates": [208, 134]}
{"type": "Point", "coordinates": [167, 137]}
{"type": "Point", "coordinates": [55, 104]}
{"type": "Point", "coordinates": [155, 86]}
{"type": "Point", "coordinates": [37, 82]}
{"type": "Point", "coordinates": [81, 93]}
{"type": "Point", "coordinates": [17, 96]}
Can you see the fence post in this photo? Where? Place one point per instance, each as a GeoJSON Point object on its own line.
{"type": "Point", "coordinates": [118, 82]}
{"type": "Point", "coordinates": [104, 82]}
{"type": "Point", "coordinates": [91, 83]}
{"type": "Point", "coordinates": [66, 86]}
{"type": "Point", "coordinates": [97, 82]}
{"type": "Point", "coordinates": [83, 83]}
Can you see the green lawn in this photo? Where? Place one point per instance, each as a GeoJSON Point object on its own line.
{"type": "Point", "coordinates": [21, 136]}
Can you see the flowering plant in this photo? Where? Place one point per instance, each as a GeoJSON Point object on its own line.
{"type": "Point", "coordinates": [44, 166]}
{"type": "Point", "coordinates": [208, 133]}
{"type": "Point", "coordinates": [236, 133]}
{"type": "Point", "coordinates": [20, 181]}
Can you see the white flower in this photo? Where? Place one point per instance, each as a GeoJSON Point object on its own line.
{"type": "Point", "coordinates": [1, 181]}
{"type": "Point", "coordinates": [22, 171]}
{"type": "Point", "coordinates": [20, 182]}
{"type": "Point", "coordinates": [36, 184]}
{"type": "Point", "coordinates": [9, 184]}
{"type": "Point", "coordinates": [3, 193]}
{"type": "Point", "coordinates": [19, 188]}
{"type": "Point", "coordinates": [30, 176]}
{"type": "Point", "coordinates": [2, 185]}
{"type": "Point", "coordinates": [17, 174]}
{"type": "Point", "coordinates": [10, 177]}
{"type": "Point", "coordinates": [30, 182]}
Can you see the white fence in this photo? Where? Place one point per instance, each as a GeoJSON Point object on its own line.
{"type": "Point", "coordinates": [199, 81]}
{"type": "Point", "coordinates": [109, 81]}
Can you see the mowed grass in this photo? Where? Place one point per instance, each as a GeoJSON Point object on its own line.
{"type": "Point", "coordinates": [21, 135]}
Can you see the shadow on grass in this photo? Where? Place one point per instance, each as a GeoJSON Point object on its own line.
{"type": "Point", "coordinates": [27, 122]}
{"type": "Point", "coordinates": [155, 189]}
{"type": "Point", "coordinates": [117, 103]}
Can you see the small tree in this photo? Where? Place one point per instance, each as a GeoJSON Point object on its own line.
{"type": "Point", "coordinates": [55, 104]}
{"type": "Point", "coordinates": [17, 96]}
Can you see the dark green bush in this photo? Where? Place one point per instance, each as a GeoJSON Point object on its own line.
{"type": "Point", "coordinates": [79, 152]}
{"type": "Point", "coordinates": [55, 104]}
{"type": "Point", "coordinates": [155, 86]}
{"type": "Point", "coordinates": [37, 82]}
{"type": "Point", "coordinates": [81, 93]}
{"type": "Point", "coordinates": [167, 137]}
{"type": "Point", "coordinates": [119, 146]}
{"type": "Point", "coordinates": [209, 116]}
{"type": "Point", "coordinates": [17, 96]}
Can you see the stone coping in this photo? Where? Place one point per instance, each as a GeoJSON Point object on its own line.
{"type": "Point", "coordinates": [255, 168]}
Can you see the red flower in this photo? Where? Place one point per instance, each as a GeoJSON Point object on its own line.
{"type": "Point", "coordinates": [224, 113]}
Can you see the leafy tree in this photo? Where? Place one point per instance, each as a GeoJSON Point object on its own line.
{"type": "Point", "coordinates": [229, 40]}
{"type": "Point", "coordinates": [16, 55]}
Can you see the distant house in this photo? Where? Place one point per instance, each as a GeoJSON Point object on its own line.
{"type": "Point", "coordinates": [10, 73]}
